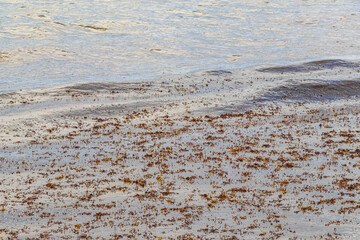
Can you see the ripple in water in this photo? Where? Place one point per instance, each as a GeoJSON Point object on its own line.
{"type": "Point", "coordinates": [47, 43]}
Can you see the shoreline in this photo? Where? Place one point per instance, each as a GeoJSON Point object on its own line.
{"type": "Point", "coordinates": [209, 155]}
{"type": "Point", "coordinates": [330, 63]}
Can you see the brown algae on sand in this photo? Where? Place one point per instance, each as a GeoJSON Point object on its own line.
{"type": "Point", "coordinates": [203, 162]}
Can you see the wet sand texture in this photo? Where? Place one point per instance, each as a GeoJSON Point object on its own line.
{"type": "Point", "coordinates": [239, 154]}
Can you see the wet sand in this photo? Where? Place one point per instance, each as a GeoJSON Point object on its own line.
{"type": "Point", "coordinates": [264, 153]}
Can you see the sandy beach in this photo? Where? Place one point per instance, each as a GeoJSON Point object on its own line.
{"type": "Point", "coordinates": [258, 153]}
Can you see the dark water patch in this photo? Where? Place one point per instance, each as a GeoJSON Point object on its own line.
{"type": "Point", "coordinates": [218, 72]}
{"type": "Point", "coordinates": [313, 91]}
{"type": "Point", "coordinates": [311, 66]}
{"type": "Point", "coordinates": [92, 27]}
{"type": "Point", "coordinates": [94, 87]}
{"type": "Point", "coordinates": [59, 23]}
{"type": "Point", "coordinates": [82, 89]}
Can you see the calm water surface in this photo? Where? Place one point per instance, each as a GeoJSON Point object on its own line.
{"type": "Point", "coordinates": [51, 42]}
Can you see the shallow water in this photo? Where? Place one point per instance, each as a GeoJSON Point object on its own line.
{"type": "Point", "coordinates": [46, 43]}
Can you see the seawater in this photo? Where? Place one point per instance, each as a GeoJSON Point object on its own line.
{"type": "Point", "coordinates": [51, 42]}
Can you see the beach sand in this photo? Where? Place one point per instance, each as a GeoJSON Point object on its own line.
{"type": "Point", "coordinates": [263, 153]}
